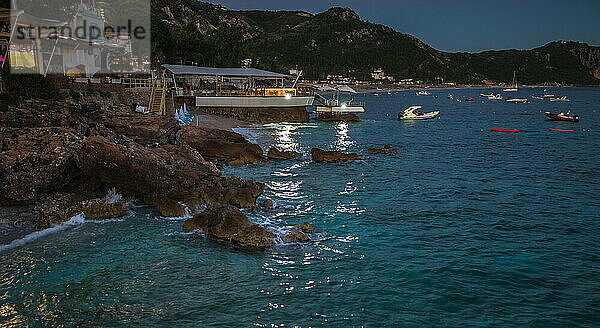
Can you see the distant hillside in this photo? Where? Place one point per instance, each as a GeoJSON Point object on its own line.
{"type": "Point", "coordinates": [338, 41]}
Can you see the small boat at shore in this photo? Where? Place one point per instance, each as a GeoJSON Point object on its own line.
{"type": "Point", "coordinates": [562, 117]}
{"type": "Point", "coordinates": [423, 93]}
{"type": "Point", "coordinates": [413, 113]}
{"type": "Point", "coordinates": [517, 100]}
{"type": "Point", "coordinates": [563, 98]}
{"type": "Point", "coordinates": [451, 97]}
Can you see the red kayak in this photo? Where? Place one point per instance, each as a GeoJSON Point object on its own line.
{"type": "Point", "coordinates": [470, 99]}
{"type": "Point", "coordinates": [506, 130]}
{"type": "Point", "coordinates": [560, 130]}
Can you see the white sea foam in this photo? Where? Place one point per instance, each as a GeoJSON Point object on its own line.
{"type": "Point", "coordinates": [74, 221]}
{"type": "Point", "coordinates": [105, 221]}
{"type": "Point", "coordinates": [187, 213]}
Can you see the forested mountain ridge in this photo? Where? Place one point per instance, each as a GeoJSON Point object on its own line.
{"type": "Point", "coordinates": [339, 42]}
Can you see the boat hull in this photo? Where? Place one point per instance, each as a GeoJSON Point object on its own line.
{"type": "Point", "coordinates": [506, 130]}
{"type": "Point", "coordinates": [559, 117]}
{"type": "Point", "coordinates": [426, 116]}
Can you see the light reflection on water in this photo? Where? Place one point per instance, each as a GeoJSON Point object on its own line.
{"type": "Point", "coordinates": [343, 141]}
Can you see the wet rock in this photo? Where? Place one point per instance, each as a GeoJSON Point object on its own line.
{"type": "Point", "coordinates": [319, 155]}
{"type": "Point", "coordinates": [222, 145]}
{"type": "Point", "coordinates": [36, 161]}
{"type": "Point", "coordinates": [98, 209]}
{"type": "Point", "coordinates": [225, 222]}
{"type": "Point", "coordinates": [385, 150]}
{"type": "Point", "coordinates": [174, 173]}
{"type": "Point", "coordinates": [295, 237]}
{"type": "Point", "coordinates": [166, 207]}
{"type": "Point", "coordinates": [61, 208]}
{"type": "Point", "coordinates": [305, 227]}
{"type": "Point", "coordinates": [268, 203]}
{"type": "Point", "coordinates": [328, 117]}
{"type": "Point", "coordinates": [277, 154]}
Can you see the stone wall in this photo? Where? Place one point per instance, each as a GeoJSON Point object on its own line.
{"type": "Point", "coordinates": [260, 115]}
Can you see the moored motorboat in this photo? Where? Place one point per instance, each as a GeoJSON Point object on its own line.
{"type": "Point", "coordinates": [469, 99]}
{"type": "Point", "coordinates": [451, 97]}
{"type": "Point", "coordinates": [495, 97]}
{"type": "Point", "coordinates": [423, 93]}
{"type": "Point", "coordinates": [536, 97]}
{"type": "Point", "coordinates": [563, 98]}
{"type": "Point", "coordinates": [413, 113]}
{"type": "Point", "coordinates": [517, 100]}
{"type": "Point", "coordinates": [562, 117]}
{"type": "Point", "coordinates": [486, 95]}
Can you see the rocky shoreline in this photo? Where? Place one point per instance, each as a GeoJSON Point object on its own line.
{"type": "Point", "coordinates": [59, 159]}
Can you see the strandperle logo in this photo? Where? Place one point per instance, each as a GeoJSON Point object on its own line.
{"type": "Point", "coordinates": [80, 38]}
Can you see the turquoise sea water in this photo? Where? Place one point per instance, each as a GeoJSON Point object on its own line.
{"type": "Point", "coordinates": [463, 228]}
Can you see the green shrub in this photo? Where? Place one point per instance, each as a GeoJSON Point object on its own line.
{"type": "Point", "coordinates": [105, 94]}
{"type": "Point", "coordinates": [75, 95]}
{"type": "Point", "coordinates": [30, 86]}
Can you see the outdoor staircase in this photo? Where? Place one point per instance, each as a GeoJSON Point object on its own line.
{"type": "Point", "coordinates": [158, 98]}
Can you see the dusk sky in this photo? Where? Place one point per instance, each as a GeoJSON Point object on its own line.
{"type": "Point", "coordinates": [468, 25]}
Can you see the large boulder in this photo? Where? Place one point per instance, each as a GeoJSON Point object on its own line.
{"type": "Point", "coordinates": [171, 172]}
{"type": "Point", "coordinates": [146, 130]}
{"type": "Point", "coordinates": [225, 222]}
{"type": "Point", "coordinates": [36, 161]}
{"type": "Point", "coordinates": [305, 227]}
{"type": "Point", "coordinates": [295, 237]}
{"type": "Point", "coordinates": [277, 154]}
{"type": "Point", "coordinates": [222, 145]}
{"type": "Point", "coordinates": [319, 155]}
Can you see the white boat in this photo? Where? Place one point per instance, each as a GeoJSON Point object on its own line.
{"type": "Point", "coordinates": [517, 100]}
{"type": "Point", "coordinates": [413, 113]}
{"type": "Point", "coordinates": [486, 95]}
{"type": "Point", "coordinates": [423, 93]}
{"type": "Point", "coordinates": [451, 97]}
{"type": "Point", "coordinates": [515, 86]}
{"type": "Point", "coordinates": [536, 97]}
{"type": "Point", "coordinates": [495, 97]}
{"type": "Point", "coordinates": [335, 105]}
{"type": "Point", "coordinates": [563, 98]}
